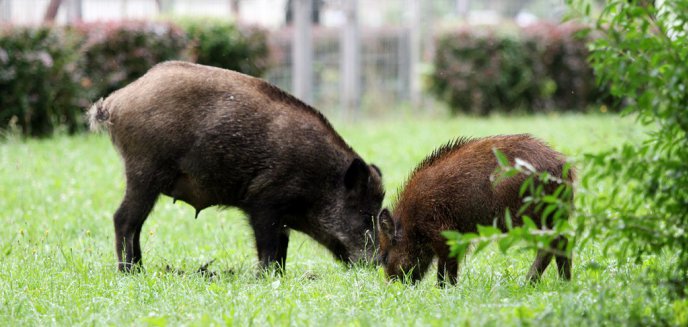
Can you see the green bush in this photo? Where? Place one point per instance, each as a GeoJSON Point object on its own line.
{"type": "Point", "coordinates": [562, 51]}
{"type": "Point", "coordinates": [642, 55]}
{"type": "Point", "coordinates": [480, 71]}
{"type": "Point", "coordinates": [49, 75]}
{"type": "Point", "coordinates": [544, 68]}
{"type": "Point", "coordinates": [223, 44]}
{"type": "Point", "coordinates": [633, 199]}
{"type": "Point", "coordinates": [39, 83]}
{"type": "Point", "coordinates": [115, 54]}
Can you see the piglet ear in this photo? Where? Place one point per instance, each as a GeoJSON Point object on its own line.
{"type": "Point", "coordinates": [386, 224]}
{"type": "Point", "coordinates": [356, 175]}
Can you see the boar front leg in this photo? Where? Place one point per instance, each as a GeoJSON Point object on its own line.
{"type": "Point", "coordinates": [139, 199]}
{"type": "Point", "coordinates": [447, 266]}
{"type": "Point", "coordinates": [272, 239]}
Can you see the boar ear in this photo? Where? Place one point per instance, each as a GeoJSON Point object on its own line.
{"type": "Point", "coordinates": [386, 224]}
{"type": "Point", "coordinates": [357, 174]}
{"type": "Point", "coordinates": [377, 169]}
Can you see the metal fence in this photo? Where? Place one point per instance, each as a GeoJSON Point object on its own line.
{"type": "Point", "coordinates": [385, 75]}
{"type": "Point", "coordinates": [394, 35]}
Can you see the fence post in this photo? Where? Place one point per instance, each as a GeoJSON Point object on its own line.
{"type": "Point", "coordinates": [51, 11]}
{"type": "Point", "coordinates": [74, 11]}
{"type": "Point", "coordinates": [235, 9]}
{"type": "Point", "coordinates": [5, 11]}
{"type": "Point", "coordinates": [351, 60]}
{"type": "Point", "coordinates": [462, 9]}
{"type": "Point", "coordinates": [415, 51]}
{"type": "Point", "coordinates": [302, 50]}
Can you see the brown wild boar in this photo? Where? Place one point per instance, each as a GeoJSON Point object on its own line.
{"type": "Point", "coordinates": [209, 136]}
{"type": "Point", "coordinates": [451, 190]}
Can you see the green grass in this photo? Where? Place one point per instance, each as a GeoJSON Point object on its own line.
{"type": "Point", "coordinates": [58, 265]}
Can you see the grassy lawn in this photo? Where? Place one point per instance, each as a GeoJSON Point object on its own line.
{"type": "Point", "coordinates": [57, 197]}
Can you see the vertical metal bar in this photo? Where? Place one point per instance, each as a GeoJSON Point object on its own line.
{"type": "Point", "coordinates": [5, 11]}
{"type": "Point", "coordinates": [462, 7]}
{"type": "Point", "coordinates": [403, 66]}
{"type": "Point", "coordinates": [123, 9]}
{"type": "Point", "coordinates": [302, 50]}
{"type": "Point", "coordinates": [415, 50]}
{"type": "Point", "coordinates": [351, 60]}
{"type": "Point", "coordinates": [74, 11]}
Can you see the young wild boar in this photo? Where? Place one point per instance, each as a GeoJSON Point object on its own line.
{"type": "Point", "coordinates": [451, 190]}
{"type": "Point", "coordinates": [209, 136]}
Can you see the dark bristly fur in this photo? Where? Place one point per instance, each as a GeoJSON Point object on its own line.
{"type": "Point", "coordinates": [209, 136]}
{"type": "Point", "coordinates": [451, 190]}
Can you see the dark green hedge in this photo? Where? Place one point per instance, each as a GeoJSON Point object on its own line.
{"type": "Point", "coordinates": [39, 80]}
{"type": "Point", "coordinates": [116, 54]}
{"type": "Point", "coordinates": [537, 69]}
{"type": "Point", "coordinates": [50, 75]}
{"type": "Point", "coordinates": [222, 44]}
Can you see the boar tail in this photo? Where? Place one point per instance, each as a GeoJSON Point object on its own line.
{"type": "Point", "coordinates": [97, 115]}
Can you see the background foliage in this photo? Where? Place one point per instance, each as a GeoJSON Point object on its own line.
{"type": "Point", "coordinates": [539, 68]}
{"type": "Point", "coordinates": [39, 80]}
{"type": "Point", "coordinates": [223, 44]}
{"type": "Point", "coordinates": [114, 54]}
{"type": "Point", "coordinates": [50, 74]}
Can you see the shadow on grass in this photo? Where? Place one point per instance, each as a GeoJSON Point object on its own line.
{"type": "Point", "coordinates": [202, 271]}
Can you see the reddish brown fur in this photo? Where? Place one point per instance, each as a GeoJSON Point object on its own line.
{"type": "Point", "coordinates": [210, 136]}
{"type": "Point", "coordinates": [451, 190]}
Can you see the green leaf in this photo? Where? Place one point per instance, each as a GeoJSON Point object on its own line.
{"type": "Point", "coordinates": [550, 199]}
{"type": "Point", "coordinates": [451, 235]}
{"type": "Point", "coordinates": [548, 210]}
{"type": "Point", "coordinates": [565, 170]}
{"type": "Point", "coordinates": [528, 222]}
{"type": "Point", "coordinates": [481, 246]}
{"type": "Point", "coordinates": [506, 242]}
{"type": "Point", "coordinates": [526, 184]}
{"type": "Point", "coordinates": [502, 160]}
{"type": "Point", "coordinates": [508, 221]}
{"type": "Point", "coordinates": [487, 231]}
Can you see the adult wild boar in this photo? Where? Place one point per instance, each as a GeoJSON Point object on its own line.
{"type": "Point", "coordinates": [209, 136]}
{"type": "Point", "coordinates": [451, 190]}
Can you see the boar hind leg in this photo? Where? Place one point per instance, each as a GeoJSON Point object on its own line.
{"type": "Point", "coordinates": [139, 199]}
{"type": "Point", "coordinates": [564, 261]}
{"type": "Point", "coordinates": [542, 260]}
{"type": "Point", "coordinates": [272, 239]}
{"type": "Point", "coordinates": [544, 257]}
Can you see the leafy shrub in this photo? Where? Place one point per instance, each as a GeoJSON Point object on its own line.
{"type": "Point", "coordinates": [634, 198]}
{"type": "Point", "coordinates": [480, 71]}
{"type": "Point", "coordinates": [562, 51]}
{"type": "Point", "coordinates": [642, 54]}
{"type": "Point", "coordinates": [115, 54]}
{"type": "Point", "coordinates": [223, 44]}
{"type": "Point", "coordinates": [39, 82]}
{"type": "Point", "coordinates": [544, 68]}
{"type": "Point", "coordinates": [48, 75]}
